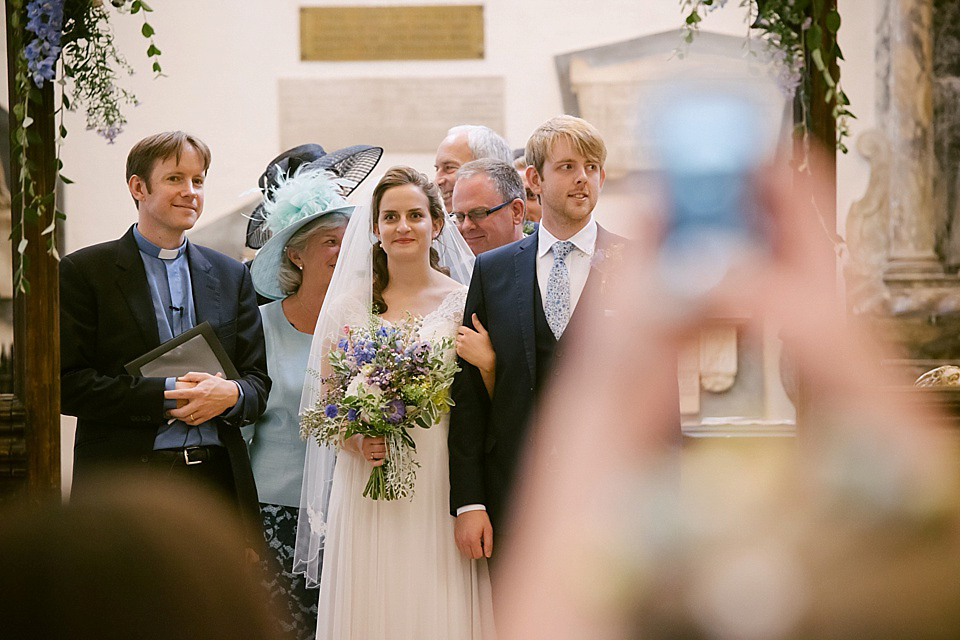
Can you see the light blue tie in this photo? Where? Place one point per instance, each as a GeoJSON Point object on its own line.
{"type": "Point", "coordinates": [557, 307]}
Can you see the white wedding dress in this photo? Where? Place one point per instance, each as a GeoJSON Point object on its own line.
{"type": "Point", "coordinates": [391, 569]}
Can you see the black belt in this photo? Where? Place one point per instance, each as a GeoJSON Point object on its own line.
{"type": "Point", "coordinates": [189, 455]}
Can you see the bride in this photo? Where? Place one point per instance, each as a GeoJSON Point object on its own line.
{"type": "Point", "coordinates": [391, 569]}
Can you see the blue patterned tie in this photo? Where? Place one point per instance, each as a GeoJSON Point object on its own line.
{"type": "Point", "coordinates": [557, 307]}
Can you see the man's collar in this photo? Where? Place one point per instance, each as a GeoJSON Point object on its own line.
{"type": "Point", "coordinates": [585, 240]}
{"type": "Point", "coordinates": [153, 250]}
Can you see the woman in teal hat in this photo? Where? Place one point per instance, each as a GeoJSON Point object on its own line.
{"type": "Point", "coordinates": [304, 213]}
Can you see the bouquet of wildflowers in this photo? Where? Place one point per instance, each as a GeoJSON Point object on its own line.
{"type": "Point", "coordinates": [384, 381]}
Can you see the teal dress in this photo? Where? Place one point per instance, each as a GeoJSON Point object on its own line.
{"type": "Point", "coordinates": [277, 454]}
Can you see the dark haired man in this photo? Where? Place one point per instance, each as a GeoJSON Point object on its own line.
{"type": "Point", "coordinates": [121, 299]}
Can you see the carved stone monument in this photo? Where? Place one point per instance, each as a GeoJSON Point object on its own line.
{"type": "Point", "coordinates": [903, 235]}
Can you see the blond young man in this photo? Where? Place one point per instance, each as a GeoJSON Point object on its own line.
{"type": "Point", "coordinates": [524, 294]}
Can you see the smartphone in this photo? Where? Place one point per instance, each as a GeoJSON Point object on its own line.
{"type": "Point", "coordinates": [707, 139]}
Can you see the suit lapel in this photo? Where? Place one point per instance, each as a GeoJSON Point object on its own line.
{"type": "Point", "coordinates": [206, 292]}
{"type": "Point", "coordinates": [525, 271]}
{"type": "Point", "coordinates": [132, 282]}
{"type": "Point", "coordinates": [593, 285]}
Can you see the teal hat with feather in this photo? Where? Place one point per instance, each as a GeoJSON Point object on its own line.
{"type": "Point", "coordinates": [294, 202]}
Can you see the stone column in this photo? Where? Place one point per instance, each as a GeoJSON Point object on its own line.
{"type": "Point", "coordinates": [909, 119]}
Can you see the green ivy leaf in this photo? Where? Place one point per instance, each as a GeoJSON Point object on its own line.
{"type": "Point", "coordinates": [135, 6]}
{"type": "Point", "coordinates": [147, 30]}
{"type": "Point", "coordinates": [832, 21]}
{"type": "Point", "coordinates": [814, 37]}
{"type": "Point", "coordinates": [693, 18]}
{"type": "Point", "coordinates": [147, 8]}
{"type": "Point", "coordinates": [156, 67]}
{"type": "Point", "coordinates": [153, 51]}
{"type": "Point", "coordinates": [63, 132]}
{"type": "Point", "coordinates": [65, 180]}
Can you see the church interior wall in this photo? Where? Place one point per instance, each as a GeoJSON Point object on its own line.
{"type": "Point", "coordinates": [223, 61]}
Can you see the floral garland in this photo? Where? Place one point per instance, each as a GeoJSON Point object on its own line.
{"type": "Point", "coordinates": [786, 27]}
{"type": "Point", "coordinates": [76, 36]}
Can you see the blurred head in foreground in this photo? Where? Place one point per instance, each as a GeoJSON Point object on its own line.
{"type": "Point", "coordinates": [151, 561]}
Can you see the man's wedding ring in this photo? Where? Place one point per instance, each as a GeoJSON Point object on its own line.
{"type": "Point", "coordinates": [191, 417]}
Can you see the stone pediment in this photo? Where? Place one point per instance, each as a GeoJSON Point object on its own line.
{"type": "Point", "coordinates": [607, 85]}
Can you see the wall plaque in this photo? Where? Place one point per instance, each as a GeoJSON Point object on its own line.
{"type": "Point", "coordinates": [399, 114]}
{"type": "Point", "coordinates": [432, 32]}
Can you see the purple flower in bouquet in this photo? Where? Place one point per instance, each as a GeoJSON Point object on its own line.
{"type": "Point", "coordinates": [351, 415]}
{"type": "Point", "coordinates": [394, 411]}
{"type": "Point", "coordinates": [380, 377]}
{"type": "Point", "coordinates": [331, 411]}
{"type": "Point", "coordinates": [418, 352]}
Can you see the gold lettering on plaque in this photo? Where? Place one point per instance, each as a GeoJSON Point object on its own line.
{"type": "Point", "coordinates": [434, 32]}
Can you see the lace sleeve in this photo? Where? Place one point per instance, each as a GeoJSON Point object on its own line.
{"type": "Point", "coordinates": [452, 306]}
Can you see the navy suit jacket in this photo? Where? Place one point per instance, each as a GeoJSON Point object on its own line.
{"type": "Point", "coordinates": [487, 436]}
{"type": "Point", "coordinates": [107, 319]}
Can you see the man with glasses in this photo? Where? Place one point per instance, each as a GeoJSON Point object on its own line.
{"type": "Point", "coordinates": [489, 204]}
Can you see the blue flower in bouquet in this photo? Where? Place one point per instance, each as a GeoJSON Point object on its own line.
{"type": "Point", "coordinates": [343, 345]}
{"type": "Point", "coordinates": [394, 411]}
{"type": "Point", "coordinates": [331, 411]}
{"type": "Point", "coordinates": [364, 352]}
{"type": "Point", "coordinates": [352, 415]}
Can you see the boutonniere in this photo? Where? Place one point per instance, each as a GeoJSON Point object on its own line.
{"type": "Point", "coordinates": [528, 227]}
{"type": "Point", "coordinates": [607, 262]}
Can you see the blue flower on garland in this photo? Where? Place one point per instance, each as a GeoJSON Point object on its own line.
{"type": "Point", "coordinates": [45, 21]}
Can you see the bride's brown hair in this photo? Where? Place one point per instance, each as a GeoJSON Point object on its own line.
{"type": "Point", "coordinates": [398, 177]}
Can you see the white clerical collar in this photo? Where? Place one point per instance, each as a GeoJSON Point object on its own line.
{"type": "Point", "coordinates": [151, 249]}
{"type": "Point", "coordinates": [585, 240]}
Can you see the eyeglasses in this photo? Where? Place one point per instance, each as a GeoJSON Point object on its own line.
{"type": "Point", "coordinates": [476, 215]}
